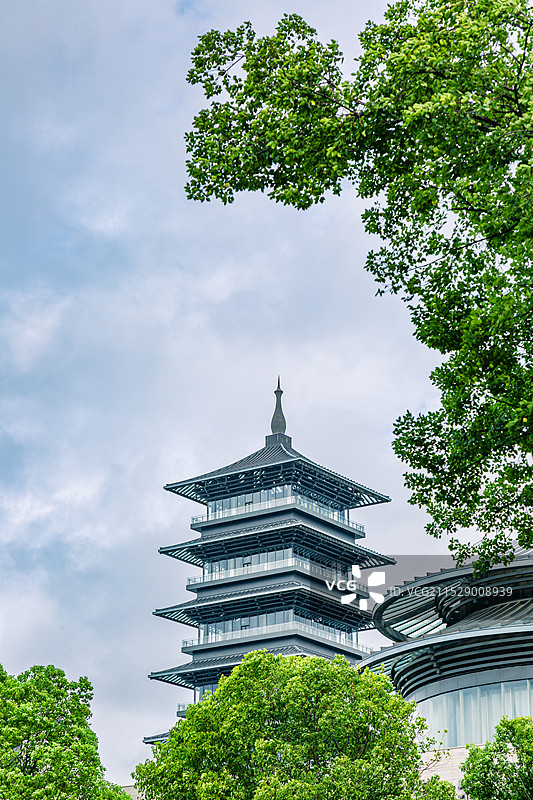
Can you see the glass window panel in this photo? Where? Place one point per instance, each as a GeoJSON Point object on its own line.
{"type": "Point", "coordinates": [437, 713]}
{"type": "Point", "coordinates": [494, 706]}
{"type": "Point", "coordinates": [520, 695]}
{"type": "Point", "coordinates": [271, 618]}
{"type": "Point", "coordinates": [470, 715]}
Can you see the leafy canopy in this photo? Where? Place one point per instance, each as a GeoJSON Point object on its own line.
{"type": "Point", "coordinates": [47, 749]}
{"type": "Point", "coordinates": [435, 130]}
{"type": "Point", "coordinates": [292, 728]}
{"type": "Point", "coordinates": [502, 769]}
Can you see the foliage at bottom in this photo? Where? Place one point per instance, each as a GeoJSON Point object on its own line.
{"type": "Point", "coordinates": [292, 728]}
{"type": "Point", "coordinates": [502, 769]}
{"type": "Point", "coordinates": [47, 749]}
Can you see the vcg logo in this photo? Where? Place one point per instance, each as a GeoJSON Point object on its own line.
{"type": "Point", "coordinates": [352, 585]}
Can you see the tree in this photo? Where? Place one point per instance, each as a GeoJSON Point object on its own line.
{"type": "Point", "coordinates": [434, 129]}
{"type": "Point", "coordinates": [502, 769]}
{"type": "Point", "coordinates": [292, 728]}
{"type": "Point", "coordinates": [47, 749]}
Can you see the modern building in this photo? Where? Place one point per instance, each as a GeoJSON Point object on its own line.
{"type": "Point", "coordinates": [275, 528]}
{"type": "Point", "coordinates": [464, 647]}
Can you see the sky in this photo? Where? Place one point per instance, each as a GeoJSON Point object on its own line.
{"type": "Point", "coordinates": [141, 336]}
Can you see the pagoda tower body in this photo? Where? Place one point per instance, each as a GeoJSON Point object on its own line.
{"type": "Point", "coordinates": [275, 536]}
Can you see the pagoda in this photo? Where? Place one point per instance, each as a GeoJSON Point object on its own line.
{"type": "Point", "coordinates": [275, 536]}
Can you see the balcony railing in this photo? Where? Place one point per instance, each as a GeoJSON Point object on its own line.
{"type": "Point", "coordinates": [302, 563]}
{"type": "Point", "coordinates": [286, 502]}
{"type": "Point", "coordinates": [283, 627]}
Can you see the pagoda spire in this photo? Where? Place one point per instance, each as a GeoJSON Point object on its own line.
{"type": "Point", "coordinates": [278, 423]}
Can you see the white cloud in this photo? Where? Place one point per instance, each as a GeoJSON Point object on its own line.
{"type": "Point", "coordinates": [30, 323]}
{"type": "Point", "coordinates": [143, 335]}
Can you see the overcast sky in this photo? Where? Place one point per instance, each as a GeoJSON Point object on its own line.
{"type": "Point", "coordinates": [142, 335]}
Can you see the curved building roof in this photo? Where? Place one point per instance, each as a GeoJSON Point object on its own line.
{"type": "Point", "coordinates": [456, 625]}
{"type": "Point", "coordinates": [277, 464]}
{"type": "Point", "coordinates": [440, 600]}
{"type": "Point", "coordinates": [453, 653]}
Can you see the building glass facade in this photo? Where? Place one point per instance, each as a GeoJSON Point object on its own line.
{"type": "Point", "coordinates": [470, 715]}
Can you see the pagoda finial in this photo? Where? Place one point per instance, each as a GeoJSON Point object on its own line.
{"type": "Point", "coordinates": [278, 423]}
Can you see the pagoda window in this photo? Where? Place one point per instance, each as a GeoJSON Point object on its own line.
{"type": "Point", "coordinates": [201, 690]}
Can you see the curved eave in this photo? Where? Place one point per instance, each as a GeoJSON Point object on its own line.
{"type": "Point", "coordinates": [209, 670]}
{"type": "Point", "coordinates": [315, 481]}
{"type": "Point", "coordinates": [263, 600]}
{"type": "Point", "coordinates": [243, 541]}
